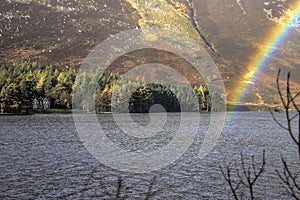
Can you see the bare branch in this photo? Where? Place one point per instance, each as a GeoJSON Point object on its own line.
{"type": "Point", "coordinates": [253, 165]}
{"type": "Point", "coordinates": [228, 179]}
{"type": "Point", "coordinates": [118, 191]}
{"type": "Point", "coordinates": [279, 90]}
{"type": "Point", "coordinates": [277, 122]}
{"type": "Point", "coordinates": [243, 166]}
{"type": "Point", "coordinates": [150, 188]}
{"type": "Point", "coordinates": [149, 193]}
{"type": "Point", "coordinates": [293, 99]}
{"type": "Point", "coordinates": [298, 94]}
{"type": "Point", "coordinates": [289, 180]}
{"type": "Point", "coordinates": [294, 116]}
{"type": "Point", "coordinates": [261, 169]}
{"type": "Point", "coordinates": [288, 103]}
{"type": "Point", "coordinates": [247, 177]}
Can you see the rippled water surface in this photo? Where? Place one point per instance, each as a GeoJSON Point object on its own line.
{"type": "Point", "coordinates": [43, 157]}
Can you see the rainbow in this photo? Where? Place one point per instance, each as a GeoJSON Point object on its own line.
{"type": "Point", "coordinates": [274, 39]}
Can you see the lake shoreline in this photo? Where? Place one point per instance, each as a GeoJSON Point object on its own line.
{"type": "Point", "coordinates": [229, 108]}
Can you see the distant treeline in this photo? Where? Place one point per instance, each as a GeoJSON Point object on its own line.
{"type": "Point", "coordinates": [21, 83]}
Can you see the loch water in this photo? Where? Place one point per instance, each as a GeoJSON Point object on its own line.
{"type": "Point", "coordinates": [43, 157]}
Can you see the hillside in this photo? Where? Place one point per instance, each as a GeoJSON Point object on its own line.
{"type": "Point", "coordinates": [238, 33]}
{"type": "Point", "coordinates": [62, 33]}
{"type": "Point", "coordinates": [59, 32]}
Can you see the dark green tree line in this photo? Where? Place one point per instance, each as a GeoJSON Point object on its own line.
{"type": "Point", "coordinates": [21, 83]}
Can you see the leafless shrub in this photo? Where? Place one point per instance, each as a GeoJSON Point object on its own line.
{"type": "Point", "coordinates": [150, 191]}
{"type": "Point", "coordinates": [289, 179]}
{"type": "Point", "coordinates": [245, 175]}
{"type": "Point", "coordinates": [148, 194]}
{"type": "Point", "coordinates": [288, 101]}
{"type": "Point", "coordinates": [119, 186]}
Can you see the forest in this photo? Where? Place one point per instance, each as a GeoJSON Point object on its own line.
{"type": "Point", "coordinates": [22, 83]}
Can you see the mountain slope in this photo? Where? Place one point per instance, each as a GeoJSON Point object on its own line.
{"type": "Point", "coordinates": [238, 29]}
{"type": "Point", "coordinates": [63, 32]}
{"type": "Point", "coordinates": [59, 32]}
